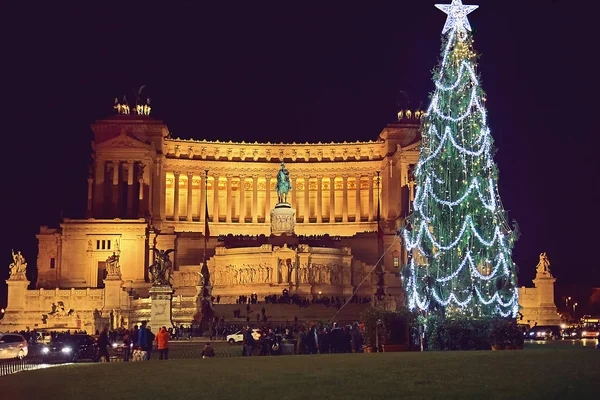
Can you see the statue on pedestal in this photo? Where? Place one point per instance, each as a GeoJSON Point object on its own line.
{"type": "Point", "coordinates": [204, 307]}
{"type": "Point", "coordinates": [160, 270]}
{"type": "Point", "coordinates": [18, 267]}
{"type": "Point", "coordinates": [283, 183]}
{"type": "Point", "coordinates": [113, 269]}
{"type": "Point", "coordinates": [543, 267]}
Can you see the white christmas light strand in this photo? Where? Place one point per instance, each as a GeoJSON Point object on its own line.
{"type": "Point", "coordinates": [500, 260]}
{"type": "Point", "coordinates": [473, 103]}
{"type": "Point", "coordinates": [410, 245]}
{"type": "Point", "coordinates": [428, 189]}
{"type": "Point", "coordinates": [485, 147]}
{"type": "Point", "coordinates": [415, 301]}
{"type": "Point", "coordinates": [463, 65]}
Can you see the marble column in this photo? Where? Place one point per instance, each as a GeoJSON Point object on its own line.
{"type": "Point", "coordinates": [141, 198]}
{"type": "Point", "coordinates": [242, 219]}
{"type": "Point", "coordinates": [190, 176]}
{"type": "Point", "coordinates": [228, 211]}
{"type": "Point", "coordinates": [357, 212]}
{"type": "Point", "coordinates": [332, 199]}
{"type": "Point", "coordinates": [371, 205]}
{"type": "Point", "coordinates": [254, 199]}
{"type": "Point", "coordinates": [146, 177]}
{"type": "Point", "coordinates": [294, 191]}
{"type": "Point", "coordinates": [267, 198]}
{"type": "Point", "coordinates": [130, 167]}
{"type": "Point", "coordinates": [306, 199]}
{"type": "Point", "coordinates": [176, 196]}
{"type": "Point", "coordinates": [161, 198]}
{"type": "Point", "coordinates": [202, 197]}
{"type": "Point", "coordinates": [115, 190]}
{"type": "Point", "coordinates": [345, 199]}
{"type": "Point", "coordinates": [140, 194]}
{"type": "Point", "coordinates": [215, 212]}
{"type": "Point", "coordinates": [319, 199]}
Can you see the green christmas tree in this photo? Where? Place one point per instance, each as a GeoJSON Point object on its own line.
{"type": "Point", "coordinates": [458, 239]}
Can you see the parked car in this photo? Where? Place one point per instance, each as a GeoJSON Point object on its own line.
{"type": "Point", "coordinates": [13, 345]}
{"type": "Point", "coordinates": [590, 333]}
{"type": "Point", "coordinates": [71, 348]}
{"type": "Point", "coordinates": [118, 345]}
{"type": "Point", "coordinates": [544, 332]}
{"type": "Point", "coordinates": [571, 333]}
{"type": "Point", "coordinates": [238, 337]}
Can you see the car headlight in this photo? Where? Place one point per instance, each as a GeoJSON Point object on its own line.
{"type": "Point", "coordinates": [583, 333]}
{"type": "Point", "coordinates": [45, 350]}
{"type": "Point", "coordinates": [114, 345]}
{"type": "Point", "coordinates": [66, 350]}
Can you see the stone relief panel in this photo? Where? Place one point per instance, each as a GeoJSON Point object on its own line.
{"type": "Point", "coordinates": [185, 278]}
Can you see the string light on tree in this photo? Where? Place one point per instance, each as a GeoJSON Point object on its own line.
{"type": "Point", "coordinates": [458, 239]}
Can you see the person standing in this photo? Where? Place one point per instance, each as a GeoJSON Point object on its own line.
{"type": "Point", "coordinates": [103, 346]}
{"type": "Point", "coordinates": [126, 345]}
{"type": "Point", "coordinates": [149, 342]}
{"type": "Point", "coordinates": [142, 336]}
{"type": "Point", "coordinates": [162, 341]}
{"type": "Point", "coordinates": [248, 344]}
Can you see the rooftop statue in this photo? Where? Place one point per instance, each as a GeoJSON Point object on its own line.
{"type": "Point", "coordinates": [18, 267]}
{"type": "Point", "coordinates": [283, 183]}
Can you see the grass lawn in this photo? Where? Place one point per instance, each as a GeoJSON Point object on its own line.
{"type": "Point", "coordinates": [540, 374]}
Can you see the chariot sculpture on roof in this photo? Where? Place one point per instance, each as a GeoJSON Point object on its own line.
{"type": "Point", "coordinates": [141, 107]}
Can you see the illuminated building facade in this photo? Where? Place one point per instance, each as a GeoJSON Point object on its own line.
{"type": "Point", "coordinates": [148, 188]}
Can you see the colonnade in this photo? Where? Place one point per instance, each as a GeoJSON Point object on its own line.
{"type": "Point", "coordinates": [299, 199]}
{"type": "Point", "coordinates": [116, 170]}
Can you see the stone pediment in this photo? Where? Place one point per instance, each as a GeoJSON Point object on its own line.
{"type": "Point", "coordinates": [123, 141]}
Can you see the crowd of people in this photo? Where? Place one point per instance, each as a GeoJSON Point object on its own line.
{"type": "Point", "coordinates": [309, 339]}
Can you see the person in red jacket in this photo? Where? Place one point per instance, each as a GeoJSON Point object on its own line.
{"type": "Point", "coordinates": [162, 340]}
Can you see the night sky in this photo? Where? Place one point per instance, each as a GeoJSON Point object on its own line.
{"type": "Point", "coordinates": [303, 71]}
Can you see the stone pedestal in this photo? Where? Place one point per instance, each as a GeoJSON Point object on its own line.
{"type": "Point", "coordinates": [160, 314]}
{"type": "Point", "coordinates": [112, 293]}
{"type": "Point", "coordinates": [17, 290]}
{"type": "Point", "coordinates": [283, 219]}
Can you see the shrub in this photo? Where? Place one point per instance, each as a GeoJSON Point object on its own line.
{"type": "Point", "coordinates": [471, 334]}
{"type": "Point", "coordinates": [393, 327]}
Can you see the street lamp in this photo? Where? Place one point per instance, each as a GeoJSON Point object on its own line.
{"type": "Point", "coordinates": [574, 314]}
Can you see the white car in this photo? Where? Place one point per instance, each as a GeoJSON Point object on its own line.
{"type": "Point", "coordinates": [238, 337]}
{"type": "Point", "coordinates": [13, 345]}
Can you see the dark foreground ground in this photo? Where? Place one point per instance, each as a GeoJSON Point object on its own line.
{"type": "Point", "coordinates": [528, 374]}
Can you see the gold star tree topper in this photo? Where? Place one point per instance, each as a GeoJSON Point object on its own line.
{"type": "Point", "coordinates": [457, 15]}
